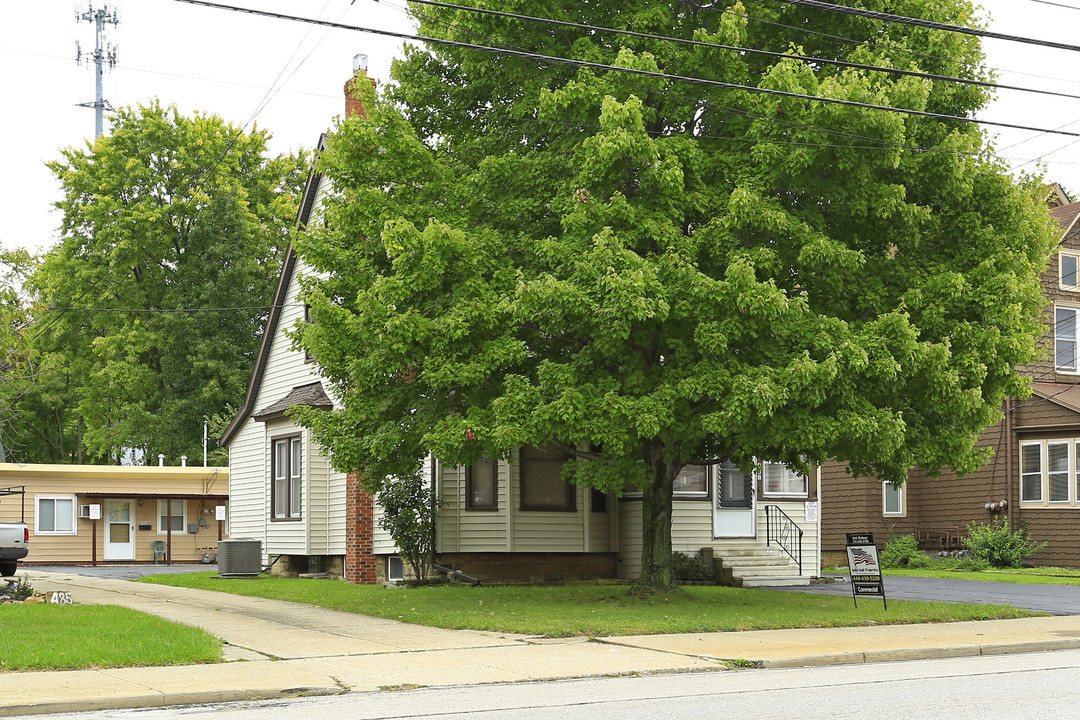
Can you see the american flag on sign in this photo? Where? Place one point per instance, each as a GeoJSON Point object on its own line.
{"type": "Point", "coordinates": [861, 557]}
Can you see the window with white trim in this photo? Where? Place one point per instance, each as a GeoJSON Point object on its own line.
{"type": "Point", "coordinates": [1065, 337]}
{"type": "Point", "coordinates": [54, 515]}
{"type": "Point", "coordinates": [1049, 473]}
{"type": "Point", "coordinates": [692, 481]}
{"type": "Point", "coordinates": [779, 479]}
{"type": "Point", "coordinates": [172, 515]}
{"type": "Point", "coordinates": [286, 481]}
{"type": "Point", "coordinates": [395, 569]}
{"type": "Point", "coordinates": [1068, 263]}
{"type": "Point", "coordinates": [892, 498]}
{"type": "Point", "coordinates": [1057, 471]}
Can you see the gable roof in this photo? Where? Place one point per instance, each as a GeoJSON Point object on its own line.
{"type": "Point", "coordinates": [1055, 195]}
{"type": "Point", "coordinates": [1066, 217]}
{"type": "Point", "coordinates": [1067, 395]}
{"type": "Point", "coordinates": [288, 267]}
{"type": "Point", "coordinates": [311, 394]}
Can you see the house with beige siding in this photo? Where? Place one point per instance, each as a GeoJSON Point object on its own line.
{"type": "Point", "coordinates": [506, 519]}
{"type": "Point", "coordinates": [103, 514]}
{"type": "Point", "coordinates": [1033, 477]}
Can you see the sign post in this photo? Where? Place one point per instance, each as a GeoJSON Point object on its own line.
{"type": "Point", "coordinates": [862, 557]}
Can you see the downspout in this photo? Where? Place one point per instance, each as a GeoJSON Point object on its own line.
{"type": "Point", "coordinates": [1009, 464]}
{"type": "Point", "coordinates": [448, 572]}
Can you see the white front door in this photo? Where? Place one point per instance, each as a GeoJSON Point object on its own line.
{"type": "Point", "coordinates": [733, 510]}
{"type": "Point", "coordinates": [119, 530]}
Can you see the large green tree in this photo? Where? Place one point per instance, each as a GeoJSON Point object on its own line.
{"type": "Point", "coordinates": [649, 271]}
{"type": "Point", "coordinates": [172, 233]}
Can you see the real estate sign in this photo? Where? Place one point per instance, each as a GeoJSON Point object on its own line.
{"type": "Point", "coordinates": [863, 565]}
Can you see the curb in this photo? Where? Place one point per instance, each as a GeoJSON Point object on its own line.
{"type": "Point", "coordinates": [876, 656]}
{"type": "Point", "coordinates": [165, 699]}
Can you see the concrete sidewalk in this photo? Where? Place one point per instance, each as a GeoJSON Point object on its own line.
{"type": "Point", "coordinates": [281, 649]}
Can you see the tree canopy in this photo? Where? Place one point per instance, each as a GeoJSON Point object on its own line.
{"type": "Point", "coordinates": [154, 298]}
{"type": "Point", "coordinates": [649, 271]}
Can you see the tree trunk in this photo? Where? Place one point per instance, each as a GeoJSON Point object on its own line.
{"type": "Point", "coordinates": [656, 569]}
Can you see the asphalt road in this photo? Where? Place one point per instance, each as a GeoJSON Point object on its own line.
{"type": "Point", "coordinates": [1053, 599]}
{"type": "Point", "coordinates": [1036, 686]}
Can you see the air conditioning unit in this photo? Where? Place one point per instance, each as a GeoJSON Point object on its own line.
{"type": "Point", "coordinates": [239, 558]}
{"type": "Point", "coordinates": [84, 511]}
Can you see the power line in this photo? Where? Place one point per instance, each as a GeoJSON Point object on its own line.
{"type": "Point", "coordinates": [1060, 5]}
{"type": "Point", "coordinates": [918, 22]}
{"type": "Point", "coordinates": [172, 310]}
{"type": "Point", "coordinates": [631, 71]}
{"type": "Point", "coordinates": [737, 48]}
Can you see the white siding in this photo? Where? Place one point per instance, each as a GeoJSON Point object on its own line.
{"type": "Point", "coordinates": [629, 557]}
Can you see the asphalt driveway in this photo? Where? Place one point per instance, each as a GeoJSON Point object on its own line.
{"type": "Point", "coordinates": [1053, 599]}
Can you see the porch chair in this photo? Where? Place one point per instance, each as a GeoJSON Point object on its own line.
{"type": "Point", "coordinates": [159, 549]}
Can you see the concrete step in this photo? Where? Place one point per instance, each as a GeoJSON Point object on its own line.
{"type": "Point", "coordinates": [754, 560]}
{"type": "Point", "coordinates": [744, 571]}
{"type": "Point", "coordinates": [775, 581]}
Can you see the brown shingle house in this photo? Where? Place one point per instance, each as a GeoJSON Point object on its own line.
{"type": "Point", "coordinates": [1034, 475]}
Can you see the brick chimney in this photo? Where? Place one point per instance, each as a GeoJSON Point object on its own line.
{"type": "Point", "coordinates": [354, 105]}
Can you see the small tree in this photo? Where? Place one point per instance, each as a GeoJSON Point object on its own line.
{"type": "Point", "coordinates": [409, 514]}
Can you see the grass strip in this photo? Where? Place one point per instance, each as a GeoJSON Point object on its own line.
{"type": "Point", "coordinates": [1005, 576]}
{"type": "Point", "coordinates": [84, 637]}
{"type": "Point", "coordinates": [589, 609]}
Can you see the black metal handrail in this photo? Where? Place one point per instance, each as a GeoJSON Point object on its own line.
{"type": "Point", "coordinates": [787, 534]}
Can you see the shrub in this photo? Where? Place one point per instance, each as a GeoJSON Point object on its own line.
{"type": "Point", "coordinates": [409, 515]}
{"type": "Point", "coordinates": [998, 546]}
{"type": "Point", "coordinates": [902, 551]}
{"type": "Point", "coordinates": [18, 589]}
{"type": "Point", "coordinates": [690, 567]}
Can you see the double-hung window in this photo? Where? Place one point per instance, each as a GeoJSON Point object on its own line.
{"type": "Point", "coordinates": [1068, 263]}
{"type": "Point", "coordinates": [54, 515]}
{"type": "Point", "coordinates": [287, 480]}
{"type": "Point", "coordinates": [1065, 337]}
{"type": "Point", "coordinates": [1050, 472]}
{"type": "Point", "coordinates": [892, 498]}
{"type": "Point", "coordinates": [172, 516]}
{"type": "Point", "coordinates": [692, 482]}
{"type": "Point", "coordinates": [1057, 471]}
{"type": "Point", "coordinates": [780, 480]}
{"type": "Point", "coordinates": [1031, 467]}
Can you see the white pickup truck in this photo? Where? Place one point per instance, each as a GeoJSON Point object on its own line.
{"type": "Point", "coordinates": [14, 536]}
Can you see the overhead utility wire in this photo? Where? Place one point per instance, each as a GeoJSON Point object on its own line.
{"type": "Point", "coordinates": [878, 144]}
{"type": "Point", "coordinates": [1060, 5]}
{"type": "Point", "coordinates": [631, 71]}
{"type": "Point", "coordinates": [737, 48]}
{"type": "Point", "coordinates": [919, 22]}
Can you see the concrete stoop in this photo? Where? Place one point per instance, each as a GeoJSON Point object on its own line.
{"type": "Point", "coordinates": [756, 566]}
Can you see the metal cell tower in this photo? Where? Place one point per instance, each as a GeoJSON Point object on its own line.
{"type": "Point", "coordinates": [104, 54]}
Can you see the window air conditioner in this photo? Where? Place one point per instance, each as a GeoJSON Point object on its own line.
{"type": "Point", "coordinates": [84, 511]}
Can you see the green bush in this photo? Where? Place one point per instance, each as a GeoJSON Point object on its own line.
{"type": "Point", "coordinates": [690, 567]}
{"type": "Point", "coordinates": [17, 589]}
{"type": "Point", "coordinates": [902, 551]}
{"type": "Point", "coordinates": [998, 546]}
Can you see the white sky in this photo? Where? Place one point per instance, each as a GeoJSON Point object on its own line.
{"type": "Point", "coordinates": [226, 63]}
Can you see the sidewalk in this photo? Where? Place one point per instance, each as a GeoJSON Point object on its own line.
{"type": "Point", "coordinates": [279, 649]}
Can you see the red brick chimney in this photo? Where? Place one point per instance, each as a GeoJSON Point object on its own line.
{"type": "Point", "coordinates": [354, 105]}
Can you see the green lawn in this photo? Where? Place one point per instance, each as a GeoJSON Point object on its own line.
{"type": "Point", "coordinates": [80, 637]}
{"type": "Point", "coordinates": [589, 609]}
